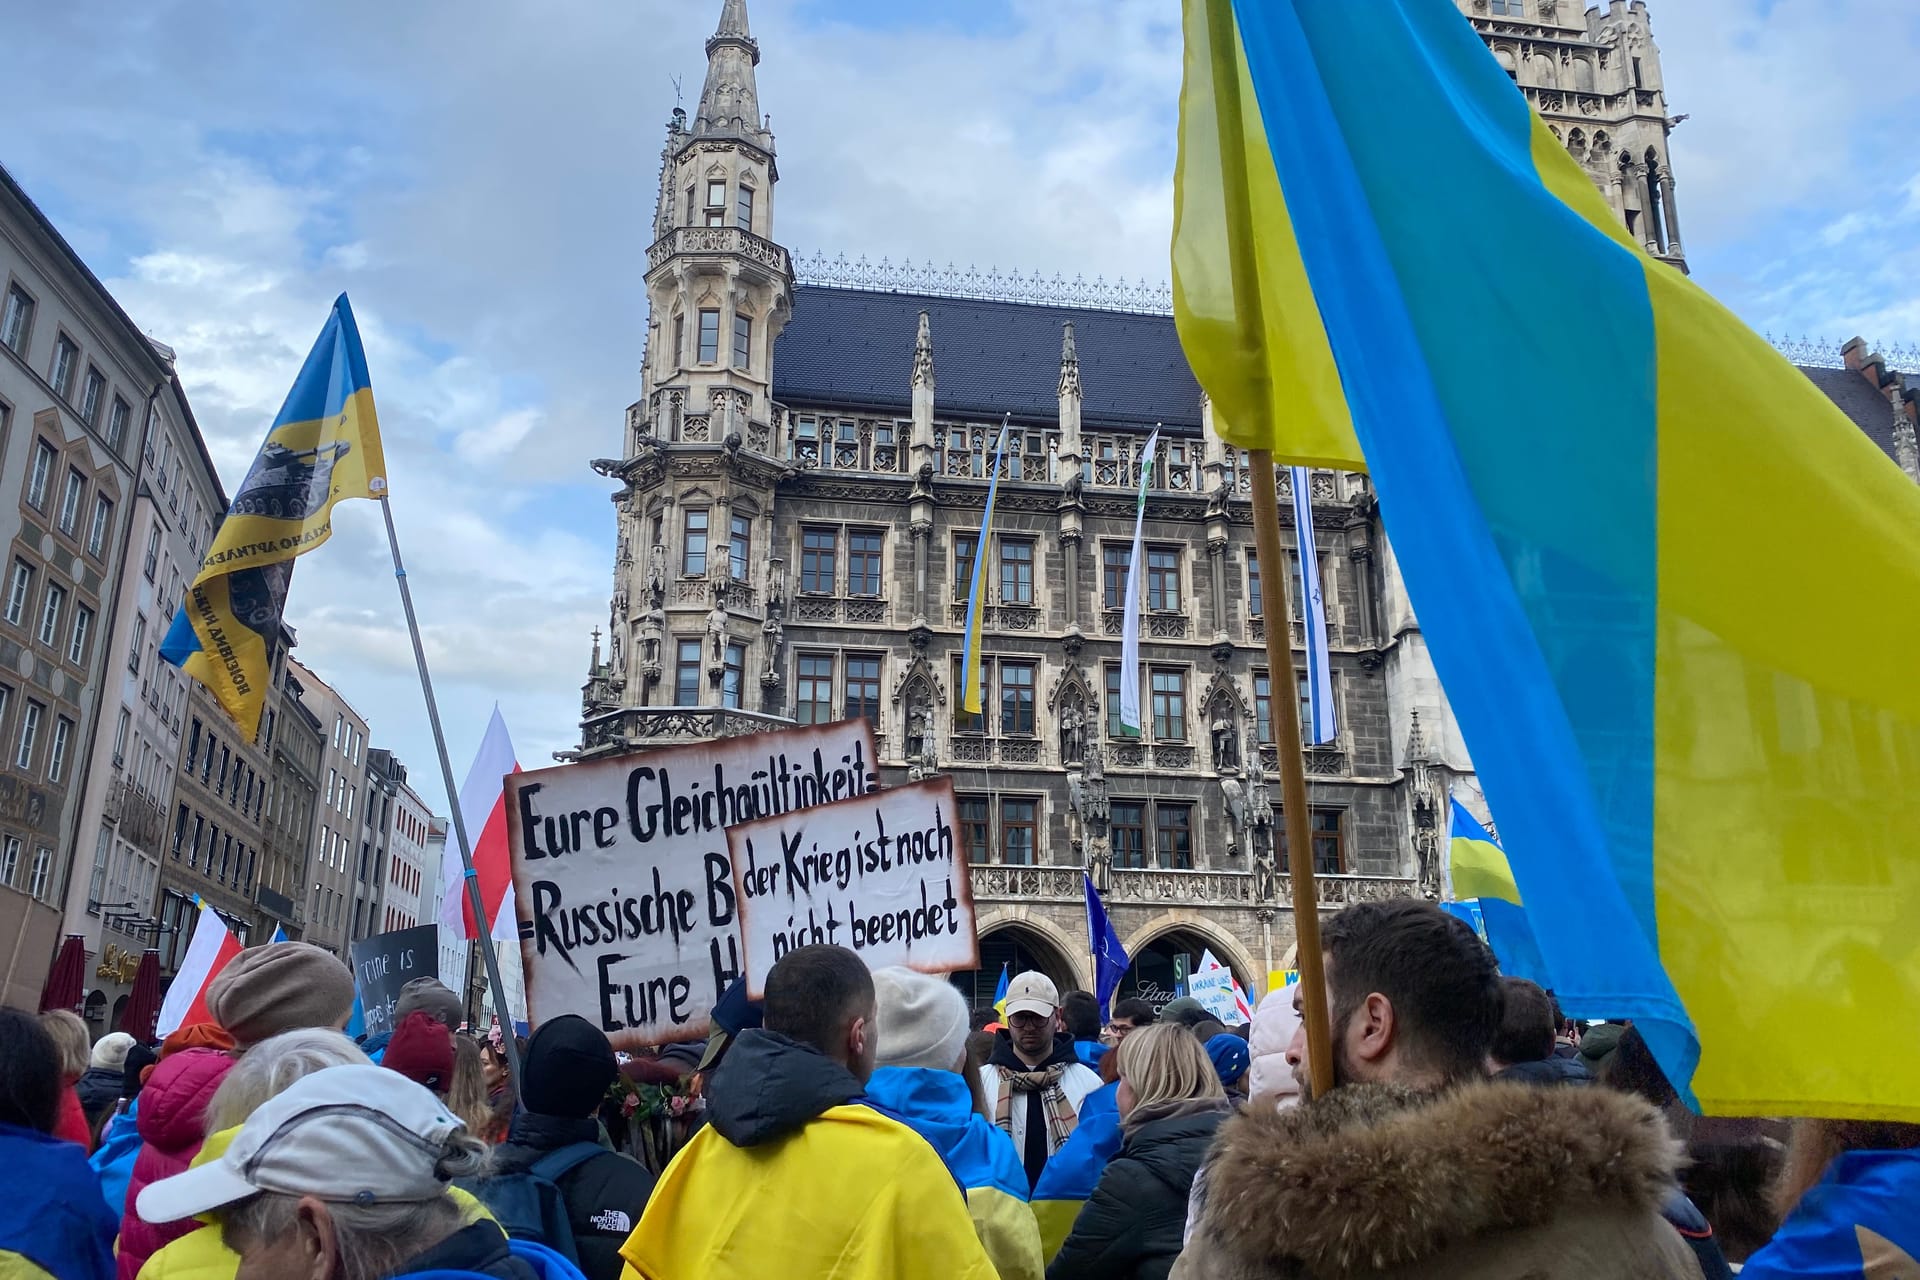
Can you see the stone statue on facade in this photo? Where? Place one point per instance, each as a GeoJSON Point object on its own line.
{"type": "Point", "coordinates": [920, 730]}
{"type": "Point", "coordinates": [775, 632]}
{"type": "Point", "coordinates": [717, 633]}
{"type": "Point", "coordinates": [1236, 800]}
{"type": "Point", "coordinates": [1226, 738]}
{"type": "Point", "coordinates": [1217, 499]}
{"type": "Point", "coordinates": [653, 628]}
{"type": "Point", "coordinates": [1073, 732]}
{"type": "Point", "coordinates": [1266, 878]}
{"type": "Point", "coordinates": [657, 576]}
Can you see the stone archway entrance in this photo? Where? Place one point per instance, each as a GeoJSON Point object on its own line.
{"type": "Point", "coordinates": [1020, 947]}
{"type": "Point", "coordinates": [1151, 975]}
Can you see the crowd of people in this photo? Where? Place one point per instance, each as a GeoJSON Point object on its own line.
{"type": "Point", "coordinates": [864, 1124]}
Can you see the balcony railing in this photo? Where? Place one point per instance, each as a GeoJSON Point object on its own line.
{"type": "Point", "coordinates": [999, 882]}
{"type": "Point", "coordinates": [718, 240]}
{"type": "Point", "coordinates": [629, 728]}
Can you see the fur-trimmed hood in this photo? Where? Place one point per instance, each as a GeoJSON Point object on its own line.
{"type": "Point", "coordinates": [1376, 1181]}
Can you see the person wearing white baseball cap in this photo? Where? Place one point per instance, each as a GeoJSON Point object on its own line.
{"type": "Point", "coordinates": [1034, 1081]}
{"type": "Point", "coordinates": [344, 1176]}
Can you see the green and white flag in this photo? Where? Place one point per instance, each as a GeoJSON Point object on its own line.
{"type": "Point", "coordinates": [1130, 628]}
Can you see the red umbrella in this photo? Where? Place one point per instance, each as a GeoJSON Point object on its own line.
{"type": "Point", "coordinates": [143, 1006]}
{"type": "Point", "coordinates": [67, 981]}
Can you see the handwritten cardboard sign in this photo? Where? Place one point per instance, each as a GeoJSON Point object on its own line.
{"type": "Point", "coordinates": [882, 874]}
{"type": "Point", "coordinates": [387, 962]}
{"type": "Point", "coordinates": [622, 882]}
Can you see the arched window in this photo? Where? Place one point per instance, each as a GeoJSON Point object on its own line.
{"type": "Point", "coordinates": [1543, 72]}
{"type": "Point", "coordinates": [1583, 75]}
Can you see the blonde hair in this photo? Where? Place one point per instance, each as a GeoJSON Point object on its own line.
{"type": "Point", "coordinates": [467, 1093]}
{"type": "Point", "coordinates": [71, 1039]}
{"type": "Point", "coordinates": [1165, 1063]}
{"type": "Point", "coordinates": [271, 1067]}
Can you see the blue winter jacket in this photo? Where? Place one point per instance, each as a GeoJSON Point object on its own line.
{"type": "Point", "coordinates": [113, 1159]}
{"type": "Point", "coordinates": [546, 1264]}
{"type": "Point", "coordinates": [53, 1214]}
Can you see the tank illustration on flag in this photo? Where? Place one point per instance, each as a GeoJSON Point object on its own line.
{"type": "Point", "coordinates": [289, 484]}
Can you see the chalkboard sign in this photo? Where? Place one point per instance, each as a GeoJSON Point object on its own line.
{"type": "Point", "coordinates": [387, 962]}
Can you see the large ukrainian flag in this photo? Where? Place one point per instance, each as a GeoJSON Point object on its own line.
{"type": "Point", "coordinates": [323, 446]}
{"type": "Point", "coordinates": [1656, 567]}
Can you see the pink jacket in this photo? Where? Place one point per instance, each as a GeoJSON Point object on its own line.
{"type": "Point", "coordinates": [1269, 1078]}
{"type": "Point", "coordinates": [172, 1122]}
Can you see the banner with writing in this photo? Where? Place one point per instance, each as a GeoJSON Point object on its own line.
{"type": "Point", "coordinates": [1212, 985]}
{"type": "Point", "coordinates": [881, 874]}
{"type": "Point", "coordinates": [387, 962]}
{"type": "Point", "coordinates": [622, 883]}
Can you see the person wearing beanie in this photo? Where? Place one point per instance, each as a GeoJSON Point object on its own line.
{"type": "Point", "coordinates": [99, 1085]}
{"type": "Point", "coordinates": [422, 1050]}
{"type": "Point", "coordinates": [1228, 1053]}
{"type": "Point", "coordinates": [283, 986]}
{"type": "Point", "coordinates": [172, 1126]}
{"type": "Point", "coordinates": [433, 998]}
{"type": "Point", "coordinates": [924, 1077]}
{"type": "Point", "coordinates": [566, 1070]}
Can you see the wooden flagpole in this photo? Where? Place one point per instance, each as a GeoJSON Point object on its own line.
{"type": "Point", "coordinates": [458, 823]}
{"type": "Point", "coordinates": [1284, 703]}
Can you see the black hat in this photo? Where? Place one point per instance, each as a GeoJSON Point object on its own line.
{"type": "Point", "coordinates": [138, 1058]}
{"type": "Point", "coordinates": [567, 1069]}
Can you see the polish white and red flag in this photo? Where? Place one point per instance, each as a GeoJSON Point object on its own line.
{"type": "Point", "coordinates": [483, 809]}
{"type": "Point", "coordinates": [208, 952]}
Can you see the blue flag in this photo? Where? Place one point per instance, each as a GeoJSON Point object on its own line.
{"type": "Point", "coordinates": [1109, 957]}
{"type": "Point", "coordinates": [1858, 1223]}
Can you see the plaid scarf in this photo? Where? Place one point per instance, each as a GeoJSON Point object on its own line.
{"type": "Point", "coordinates": [1044, 1084]}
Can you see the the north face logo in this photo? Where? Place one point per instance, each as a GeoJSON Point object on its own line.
{"type": "Point", "coordinates": [611, 1220]}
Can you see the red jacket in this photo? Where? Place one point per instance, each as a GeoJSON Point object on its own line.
{"type": "Point", "coordinates": [172, 1122]}
{"type": "Point", "coordinates": [72, 1124]}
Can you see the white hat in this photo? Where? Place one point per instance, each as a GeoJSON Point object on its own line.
{"type": "Point", "coordinates": [1032, 992]}
{"type": "Point", "coordinates": [923, 1020]}
{"type": "Point", "coordinates": [347, 1135]}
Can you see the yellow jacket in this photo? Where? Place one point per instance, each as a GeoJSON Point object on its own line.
{"type": "Point", "coordinates": [201, 1255]}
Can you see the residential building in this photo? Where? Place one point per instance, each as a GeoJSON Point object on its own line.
{"type": "Point", "coordinates": [404, 902]}
{"type": "Point", "coordinates": [333, 864]}
{"type": "Point", "coordinates": [79, 383]}
{"type": "Point", "coordinates": [293, 802]}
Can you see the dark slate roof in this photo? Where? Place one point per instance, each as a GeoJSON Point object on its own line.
{"type": "Point", "coordinates": [1859, 400]}
{"type": "Point", "coordinates": [854, 348]}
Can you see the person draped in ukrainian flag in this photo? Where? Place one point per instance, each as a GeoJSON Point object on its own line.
{"type": "Point", "coordinates": [324, 445]}
{"type": "Point", "coordinates": [923, 1077]}
{"type": "Point", "coordinates": [800, 1174]}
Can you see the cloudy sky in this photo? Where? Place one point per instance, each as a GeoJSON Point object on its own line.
{"type": "Point", "coordinates": [480, 178]}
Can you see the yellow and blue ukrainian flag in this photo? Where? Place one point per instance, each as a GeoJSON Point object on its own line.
{"type": "Point", "coordinates": [1483, 893]}
{"type": "Point", "coordinates": [1067, 1183]}
{"type": "Point", "coordinates": [1711, 781]}
{"type": "Point", "coordinates": [1000, 995]}
{"type": "Point", "coordinates": [970, 692]}
{"type": "Point", "coordinates": [1857, 1223]}
{"type": "Point", "coordinates": [323, 446]}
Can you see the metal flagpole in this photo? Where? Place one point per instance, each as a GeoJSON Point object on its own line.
{"type": "Point", "coordinates": [459, 823]}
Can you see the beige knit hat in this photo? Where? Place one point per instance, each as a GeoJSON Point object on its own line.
{"type": "Point", "coordinates": [923, 1019]}
{"type": "Point", "coordinates": [283, 986]}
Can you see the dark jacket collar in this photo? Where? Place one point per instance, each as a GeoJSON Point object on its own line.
{"type": "Point", "coordinates": [480, 1249]}
{"type": "Point", "coordinates": [531, 1136]}
{"type": "Point", "coordinates": [1004, 1055]}
{"type": "Point", "coordinates": [769, 1085]}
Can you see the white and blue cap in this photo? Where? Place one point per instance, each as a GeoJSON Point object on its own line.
{"type": "Point", "coordinates": [346, 1135]}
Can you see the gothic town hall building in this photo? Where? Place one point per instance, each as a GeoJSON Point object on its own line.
{"type": "Point", "coordinates": [800, 493]}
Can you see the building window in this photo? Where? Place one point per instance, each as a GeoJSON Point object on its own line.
{"type": "Point", "coordinates": [18, 319]}
{"type": "Point", "coordinates": [742, 340]}
{"type": "Point", "coordinates": [1509, 8]}
{"type": "Point", "coordinates": [739, 546]}
{"type": "Point", "coordinates": [1254, 602]}
{"type": "Point", "coordinates": [50, 610]}
{"type": "Point", "coordinates": [689, 218]}
{"type": "Point", "coordinates": [1129, 832]}
{"type": "Point", "coordinates": [863, 563]}
{"type": "Point", "coordinates": [709, 336]}
{"type": "Point", "coordinates": [41, 475]}
{"type": "Point", "coordinates": [18, 590]}
{"type": "Point", "coordinates": [70, 499]}
{"type": "Point", "coordinates": [139, 642]}
{"type": "Point", "coordinates": [1173, 836]}
{"type": "Point", "coordinates": [976, 829]}
{"type": "Point", "coordinates": [1016, 571]}
{"type": "Point", "coordinates": [965, 721]}
{"type": "Point", "coordinates": [679, 340]}
{"type": "Point", "coordinates": [65, 357]}
{"type": "Point", "coordinates": [1016, 698]}
{"type": "Point", "coordinates": [813, 689]}
{"type": "Point", "coordinates": [10, 861]}
{"type": "Point", "coordinates": [1327, 830]}
{"type": "Point", "coordinates": [42, 870]}
{"type": "Point", "coordinates": [57, 756]}
{"type": "Point", "coordinates": [743, 208]}
{"type": "Point", "coordinates": [1018, 828]}
{"type": "Point", "coordinates": [29, 734]}
{"type": "Point", "coordinates": [1169, 686]}
{"type": "Point", "coordinates": [91, 393]}
{"type": "Point", "coordinates": [1114, 728]}
{"type": "Point", "coordinates": [1114, 560]}
{"type": "Point", "coordinates": [693, 544]}
{"type": "Point", "coordinates": [152, 565]}
{"type": "Point", "coordinates": [117, 419]}
{"type": "Point", "coordinates": [863, 689]}
{"type": "Point", "coordinates": [102, 525]}
{"type": "Point", "coordinates": [1263, 707]}
{"type": "Point", "coordinates": [82, 638]}
{"type": "Point", "coordinates": [964, 547]}
{"type": "Point", "coordinates": [734, 679]}
{"type": "Point", "coordinates": [716, 203]}
{"type": "Point", "coordinates": [1163, 579]}
{"type": "Point", "coordinates": [819, 558]}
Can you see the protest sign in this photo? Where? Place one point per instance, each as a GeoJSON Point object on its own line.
{"type": "Point", "coordinates": [622, 883]}
{"type": "Point", "coordinates": [387, 962]}
{"type": "Point", "coordinates": [1212, 985]}
{"type": "Point", "coordinates": [881, 874]}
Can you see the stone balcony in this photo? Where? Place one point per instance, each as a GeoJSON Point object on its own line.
{"type": "Point", "coordinates": [727, 241]}
{"type": "Point", "coordinates": [635, 728]}
{"type": "Point", "coordinates": [995, 882]}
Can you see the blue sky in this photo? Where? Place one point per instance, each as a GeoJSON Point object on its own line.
{"type": "Point", "coordinates": [481, 178]}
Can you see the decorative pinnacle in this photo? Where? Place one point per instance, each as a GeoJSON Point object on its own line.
{"type": "Point", "coordinates": [1069, 363]}
{"type": "Point", "coordinates": [923, 354]}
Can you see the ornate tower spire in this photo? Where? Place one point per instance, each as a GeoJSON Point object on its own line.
{"type": "Point", "coordinates": [730, 100]}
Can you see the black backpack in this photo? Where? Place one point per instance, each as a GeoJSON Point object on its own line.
{"type": "Point", "coordinates": [527, 1202]}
